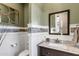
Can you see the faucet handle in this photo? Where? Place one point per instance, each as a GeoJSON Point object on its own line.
{"type": "Point", "coordinates": [57, 41]}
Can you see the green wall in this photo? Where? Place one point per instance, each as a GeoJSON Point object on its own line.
{"type": "Point", "coordinates": [36, 14]}
{"type": "Point", "coordinates": [26, 14]}
{"type": "Point", "coordinates": [54, 7]}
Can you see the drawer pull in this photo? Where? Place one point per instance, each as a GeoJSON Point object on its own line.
{"type": "Point", "coordinates": [48, 53]}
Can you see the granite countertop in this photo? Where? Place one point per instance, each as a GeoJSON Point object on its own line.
{"type": "Point", "coordinates": [61, 47]}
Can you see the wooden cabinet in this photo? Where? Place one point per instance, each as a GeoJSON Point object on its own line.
{"type": "Point", "coordinates": [42, 51]}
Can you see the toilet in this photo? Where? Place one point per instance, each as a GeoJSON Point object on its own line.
{"type": "Point", "coordinates": [24, 53]}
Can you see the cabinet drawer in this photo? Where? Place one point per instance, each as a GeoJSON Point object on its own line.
{"type": "Point", "coordinates": [46, 52]}
{"type": "Point", "coordinates": [52, 52]}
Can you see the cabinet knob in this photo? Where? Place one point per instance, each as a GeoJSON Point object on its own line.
{"type": "Point", "coordinates": [48, 53]}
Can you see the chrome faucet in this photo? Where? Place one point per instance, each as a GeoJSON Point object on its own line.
{"type": "Point", "coordinates": [57, 41]}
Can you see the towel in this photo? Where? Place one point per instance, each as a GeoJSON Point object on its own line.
{"type": "Point", "coordinates": [76, 36]}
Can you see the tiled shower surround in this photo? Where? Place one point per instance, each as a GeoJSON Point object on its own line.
{"type": "Point", "coordinates": [12, 30]}
{"type": "Point", "coordinates": [17, 36]}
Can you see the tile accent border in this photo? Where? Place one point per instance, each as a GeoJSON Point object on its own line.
{"type": "Point", "coordinates": [37, 28]}
{"type": "Point", "coordinates": [12, 29]}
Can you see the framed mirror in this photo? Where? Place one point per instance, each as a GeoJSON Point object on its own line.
{"type": "Point", "coordinates": [59, 22]}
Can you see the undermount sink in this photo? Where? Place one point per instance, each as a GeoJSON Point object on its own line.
{"type": "Point", "coordinates": [60, 41]}
{"type": "Point", "coordinates": [55, 44]}
{"type": "Point", "coordinates": [58, 45]}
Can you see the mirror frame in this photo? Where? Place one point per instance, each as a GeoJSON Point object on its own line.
{"type": "Point", "coordinates": [68, 19]}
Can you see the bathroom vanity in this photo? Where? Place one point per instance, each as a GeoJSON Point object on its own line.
{"type": "Point", "coordinates": [53, 49]}
{"type": "Point", "coordinates": [59, 25]}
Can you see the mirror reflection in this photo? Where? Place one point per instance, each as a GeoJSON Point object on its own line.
{"type": "Point", "coordinates": [59, 22]}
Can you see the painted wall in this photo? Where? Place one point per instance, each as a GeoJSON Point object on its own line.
{"type": "Point", "coordinates": [54, 7]}
{"type": "Point", "coordinates": [20, 8]}
{"type": "Point", "coordinates": [26, 14]}
{"type": "Point", "coordinates": [36, 14]}
{"type": "Point", "coordinates": [35, 17]}
{"type": "Point", "coordinates": [39, 12]}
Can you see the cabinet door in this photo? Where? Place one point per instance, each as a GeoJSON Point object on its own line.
{"type": "Point", "coordinates": [52, 52]}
